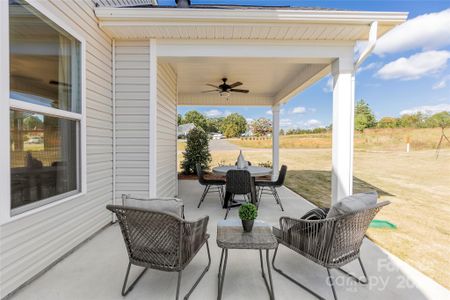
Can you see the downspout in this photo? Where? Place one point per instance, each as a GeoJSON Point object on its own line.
{"type": "Point", "coordinates": [114, 124]}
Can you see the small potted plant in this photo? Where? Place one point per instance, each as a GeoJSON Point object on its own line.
{"type": "Point", "coordinates": [248, 213]}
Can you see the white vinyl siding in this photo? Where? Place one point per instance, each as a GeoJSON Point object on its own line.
{"type": "Point", "coordinates": [167, 130]}
{"type": "Point", "coordinates": [132, 118]}
{"type": "Point", "coordinates": [33, 242]}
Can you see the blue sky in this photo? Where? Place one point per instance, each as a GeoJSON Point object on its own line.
{"type": "Point", "coordinates": [409, 70]}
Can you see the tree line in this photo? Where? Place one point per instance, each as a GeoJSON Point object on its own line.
{"type": "Point", "coordinates": [364, 118]}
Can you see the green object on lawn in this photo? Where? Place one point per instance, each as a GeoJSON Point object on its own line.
{"type": "Point", "coordinates": [382, 224]}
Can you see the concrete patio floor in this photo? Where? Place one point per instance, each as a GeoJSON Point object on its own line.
{"type": "Point", "coordinates": [96, 270]}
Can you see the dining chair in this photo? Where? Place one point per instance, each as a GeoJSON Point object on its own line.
{"type": "Point", "coordinates": [269, 187]}
{"type": "Point", "coordinates": [239, 182]}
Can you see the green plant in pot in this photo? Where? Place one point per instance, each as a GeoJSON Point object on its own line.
{"type": "Point", "coordinates": [248, 213]}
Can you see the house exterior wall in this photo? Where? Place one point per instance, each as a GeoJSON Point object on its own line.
{"type": "Point", "coordinates": [30, 244]}
{"type": "Point", "coordinates": [132, 93]}
{"type": "Point", "coordinates": [133, 120]}
{"type": "Point", "coordinates": [167, 131]}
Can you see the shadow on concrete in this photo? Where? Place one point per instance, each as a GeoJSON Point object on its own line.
{"type": "Point", "coordinates": [315, 186]}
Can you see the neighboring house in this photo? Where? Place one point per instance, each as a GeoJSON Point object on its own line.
{"type": "Point", "coordinates": [184, 129]}
{"type": "Point", "coordinates": [106, 82]}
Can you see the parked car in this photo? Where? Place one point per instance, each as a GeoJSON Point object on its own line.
{"type": "Point", "coordinates": [34, 140]}
{"type": "Point", "coordinates": [217, 136]}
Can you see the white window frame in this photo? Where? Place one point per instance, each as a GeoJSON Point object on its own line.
{"type": "Point", "coordinates": [6, 104]}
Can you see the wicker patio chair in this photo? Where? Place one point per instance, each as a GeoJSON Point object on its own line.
{"type": "Point", "coordinates": [216, 185]}
{"type": "Point", "coordinates": [268, 187]}
{"type": "Point", "coordinates": [239, 182]}
{"type": "Point", "coordinates": [330, 242]}
{"type": "Point", "coordinates": [161, 241]}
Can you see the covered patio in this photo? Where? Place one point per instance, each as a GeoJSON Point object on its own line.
{"type": "Point", "coordinates": [96, 269]}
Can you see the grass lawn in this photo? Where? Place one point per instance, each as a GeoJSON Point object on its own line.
{"type": "Point", "coordinates": [416, 183]}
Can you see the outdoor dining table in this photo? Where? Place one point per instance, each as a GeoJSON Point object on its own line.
{"type": "Point", "coordinates": [254, 172]}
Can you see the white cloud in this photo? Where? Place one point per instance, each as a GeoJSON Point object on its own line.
{"type": "Point", "coordinates": [368, 67]}
{"type": "Point", "coordinates": [213, 113]}
{"type": "Point", "coordinates": [249, 120]}
{"type": "Point", "coordinates": [298, 110]}
{"type": "Point", "coordinates": [441, 83]}
{"type": "Point", "coordinates": [427, 109]}
{"type": "Point", "coordinates": [285, 122]}
{"type": "Point", "coordinates": [426, 32]}
{"type": "Point", "coordinates": [313, 123]}
{"type": "Point", "coordinates": [415, 66]}
{"type": "Point", "coordinates": [329, 85]}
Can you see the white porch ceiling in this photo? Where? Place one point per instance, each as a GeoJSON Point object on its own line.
{"type": "Point", "coordinates": [265, 78]}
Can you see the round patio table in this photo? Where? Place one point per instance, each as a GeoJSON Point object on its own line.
{"type": "Point", "coordinates": [254, 171]}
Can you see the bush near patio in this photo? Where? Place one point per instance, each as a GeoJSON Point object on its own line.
{"type": "Point", "coordinates": [197, 151]}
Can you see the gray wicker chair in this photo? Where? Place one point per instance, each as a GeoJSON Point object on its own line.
{"type": "Point", "coordinates": [161, 241]}
{"type": "Point", "coordinates": [268, 187]}
{"type": "Point", "coordinates": [239, 182]}
{"type": "Point", "coordinates": [330, 242]}
{"type": "Point", "coordinates": [216, 185]}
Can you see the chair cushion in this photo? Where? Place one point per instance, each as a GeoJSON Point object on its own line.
{"type": "Point", "coordinates": [168, 205]}
{"type": "Point", "coordinates": [353, 203]}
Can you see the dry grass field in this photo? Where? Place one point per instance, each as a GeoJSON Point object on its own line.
{"type": "Point", "coordinates": [371, 139]}
{"type": "Point", "coordinates": [416, 183]}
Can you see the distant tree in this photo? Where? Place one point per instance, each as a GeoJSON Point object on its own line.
{"type": "Point", "coordinates": [197, 151]}
{"type": "Point", "coordinates": [214, 124]}
{"type": "Point", "coordinates": [231, 130]}
{"type": "Point", "coordinates": [261, 127]}
{"type": "Point", "coordinates": [239, 124]}
{"type": "Point", "coordinates": [441, 120]}
{"type": "Point", "coordinates": [416, 120]}
{"type": "Point", "coordinates": [282, 132]}
{"type": "Point", "coordinates": [180, 119]}
{"type": "Point", "coordinates": [197, 118]}
{"type": "Point", "coordinates": [364, 117]}
{"type": "Point", "coordinates": [387, 122]}
{"type": "Point", "coordinates": [32, 122]}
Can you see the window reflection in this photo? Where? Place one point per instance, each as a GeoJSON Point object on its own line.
{"type": "Point", "coordinates": [43, 157]}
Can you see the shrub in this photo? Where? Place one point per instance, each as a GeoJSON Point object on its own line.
{"type": "Point", "coordinates": [197, 151]}
{"type": "Point", "coordinates": [248, 212]}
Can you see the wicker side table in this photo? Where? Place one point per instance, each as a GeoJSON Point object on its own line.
{"type": "Point", "coordinates": [230, 235]}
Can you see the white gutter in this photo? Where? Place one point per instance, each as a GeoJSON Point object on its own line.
{"type": "Point", "coordinates": [199, 15]}
{"type": "Point", "coordinates": [373, 36]}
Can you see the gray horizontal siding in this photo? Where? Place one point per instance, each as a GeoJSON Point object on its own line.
{"type": "Point", "coordinates": [132, 118]}
{"type": "Point", "coordinates": [166, 131]}
{"type": "Point", "coordinates": [32, 243]}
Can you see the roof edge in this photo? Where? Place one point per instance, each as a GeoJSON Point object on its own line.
{"type": "Point", "coordinates": [197, 15]}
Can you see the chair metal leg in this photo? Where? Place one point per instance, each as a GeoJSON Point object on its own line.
{"type": "Point", "coordinates": [178, 285]}
{"type": "Point", "coordinates": [226, 214]}
{"type": "Point", "coordinates": [292, 279]}
{"type": "Point", "coordinates": [201, 275]}
{"type": "Point", "coordinates": [331, 283]}
{"type": "Point", "coordinates": [125, 292]}
{"type": "Point", "coordinates": [277, 198]}
{"type": "Point", "coordinates": [222, 275]}
{"type": "Point", "coordinates": [205, 191]}
{"type": "Point", "coordinates": [365, 281]}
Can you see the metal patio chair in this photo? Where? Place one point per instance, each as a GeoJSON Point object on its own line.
{"type": "Point", "coordinates": [161, 241]}
{"type": "Point", "coordinates": [216, 185]}
{"type": "Point", "coordinates": [239, 182]}
{"type": "Point", "coordinates": [268, 187]}
{"type": "Point", "coordinates": [330, 242]}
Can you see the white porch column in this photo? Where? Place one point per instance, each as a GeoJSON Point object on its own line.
{"type": "Point", "coordinates": [343, 120]}
{"type": "Point", "coordinates": [275, 140]}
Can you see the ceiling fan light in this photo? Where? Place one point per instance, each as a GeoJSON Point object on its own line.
{"type": "Point", "coordinates": [225, 94]}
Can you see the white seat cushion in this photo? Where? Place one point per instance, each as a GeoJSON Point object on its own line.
{"type": "Point", "coordinates": [353, 203]}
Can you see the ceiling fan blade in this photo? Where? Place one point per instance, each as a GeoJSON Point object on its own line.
{"type": "Point", "coordinates": [214, 86]}
{"type": "Point", "coordinates": [235, 84]}
{"type": "Point", "coordinates": [239, 91]}
{"type": "Point", "coordinates": [209, 91]}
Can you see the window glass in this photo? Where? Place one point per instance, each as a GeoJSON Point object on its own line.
{"type": "Point", "coordinates": [44, 158]}
{"type": "Point", "coordinates": [44, 60]}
